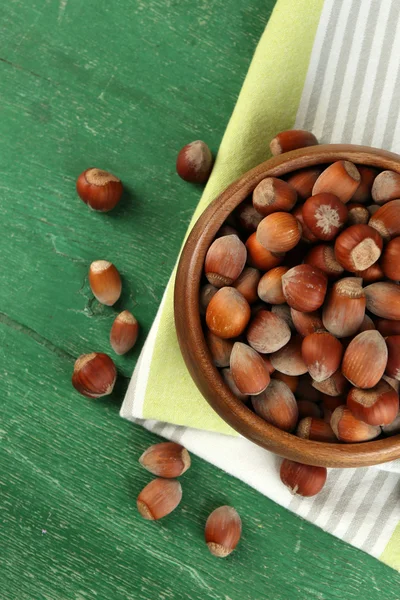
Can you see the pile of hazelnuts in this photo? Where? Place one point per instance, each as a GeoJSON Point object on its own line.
{"type": "Point", "coordinates": [301, 304]}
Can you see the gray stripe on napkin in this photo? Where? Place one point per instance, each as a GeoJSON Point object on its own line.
{"type": "Point", "coordinates": [344, 499]}
{"type": "Point", "coordinates": [344, 54]}
{"type": "Point", "coordinates": [392, 503]}
{"type": "Point", "coordinates": [321, 67]}
{"type": "Point", "coordinates": [369, 33]}
{"type": "Point", "coordinates": [365, 505]}
{"type": "Point", "coordinates": [386, 50]}
{"type": "Point", "coordinates": [393, 114]}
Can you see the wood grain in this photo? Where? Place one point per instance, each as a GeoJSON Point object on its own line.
{"type": "Point", "coordinates": [190, 330]}
{"type": "Point", "coordinates": [122, 86]}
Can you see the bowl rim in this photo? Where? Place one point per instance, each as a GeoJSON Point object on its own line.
{"type": "Point", "coordinates": [189, 328]}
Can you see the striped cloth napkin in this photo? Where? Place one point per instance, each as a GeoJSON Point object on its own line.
{"type": "Point", "coordinates": [335, 70]}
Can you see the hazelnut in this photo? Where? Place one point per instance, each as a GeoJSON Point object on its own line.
{"type": "Point", "coordinates": [206, 293]}
{"type": "Point", "coordinates": [228, 379]}
{"type": "Point", "coordinates": [386, 220]}
{"type": "Point", "coordinates": [373, 274]}
{"type": "Point", "coordinates": [166, 459]}
{"type": "Point", "coordinates": [307, 235]}
{"type": "Point", "coordinates": [291, 381]}
{"type": "Point", "coordinates": [341, 178]}
{"type": "Point", "coordinates": [363, 192]}
{"type": "Point", "coordinates": [105, 282]}
{"type": "Point", "coordinates": [365, 359]}
{"type": "Point", "coordinates": [349, 429]}
{"type": "Point", "coordinates": [393, 362]}
{"type": "Point", "coordinates": [376, 406]}
{"type": "Point", "coordinates": [323, 257]}
{"type": "Point", "coordinates": [358, 247]}
{"type": "Point", "coordinates": [344, 310]}
{"type": "Point", "coordinates": [277, 405]}
{"type": "Point", "coordinates": [273, 195]}
{"type": "Point", "coordinates": [159, 498]}
{"type": "Point", "coordinates": [225, 260]}
{"type": "Point", "coordinates": [324, 214]}
{"type": "Point", "coordinates": [306, 323]}
{"type": "Point", "coordinates": [387, 327]}
{"type": "Point", "coordinates": [194, 162]}
{"type": "Point", "coordinates": [283, 311]}
{"type": "Point", "coordinates": [247, 284]}
{"type": "Point", "coordinates": [270, 286]}
{"type": "Point", "coordinates": [94, 375]}
{"type": "Point", "coordinates": [292, 139]}
{"type": "Point", "coordinates": [358, 214]}
{"type": "Point", "coordinates": [303, 181]}
{"type": "Point", "coordinates": [386, 187]}
{"type": "Point", "coordinates": [124, 332]}
{"type": "Point", "coordinates": [391, 260]}
{"type": "Point", "coordinates": [228, 313]}
{"type": "Point", "coordinates": [222, 531]}
{"type": "Point", "coordinates": [259, 257]}
{"type": "Point", "coordinates": [220, 349]}
{"type": "Point", "coordinates": [315, 429]}
{"type": "Point", "coordinates": [367, 324]}
{"type": "Point", "coordinates": [288, 360]}
{"type": "Point", "coordinates": [99, 189]}
{"type": "Point", "coordinates": [305, 480]}
{"type": "Point", "coordinates": [267, 332]}
{"type": "Point", "coordinates": [307, 408]}
{"type": "Point", "coordinates": [304, 288]}
{"type": "Point", "coordinates": [383, 300]}
{"type": "Point", "coordinates": [322, 353]}
{"type": "Point", "coordinates": [247, 217]}
{"type": "Point", "coordinates": [279, 232]}
{"type": "Point", "coordinates": [336, 385]}
{"type": "Point", "coordinates": [249, 372]}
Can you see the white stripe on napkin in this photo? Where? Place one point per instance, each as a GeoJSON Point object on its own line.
{"type": "Point", "coordinates": [351, 94]}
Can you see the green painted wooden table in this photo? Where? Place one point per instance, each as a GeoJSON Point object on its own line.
{"type": "Point", "coordinates": [121, 85]}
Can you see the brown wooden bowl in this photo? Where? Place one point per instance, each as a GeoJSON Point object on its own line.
{"type": "Point", "coordinates": [190, 334]}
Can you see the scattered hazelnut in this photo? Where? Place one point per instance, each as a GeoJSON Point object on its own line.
{"type": "Point", "coordinates": [159, 498]}
{"type": "Point", "coordinates": [304, 480]}
{"type": "Point", "coordinates": [124, 332]}
{"type": "Point", "coordinates": [194, 162]}
{"type": "Point", "coordinates": [99, 189]}
{"type": "Point", "coordinates": [94, 375]}
{"type": "Point", "coordinates": [166, 459]}
{"type": "Point", "coordinates": [105, 282]}
{"type": "Point", "coordinates": [222, 531]}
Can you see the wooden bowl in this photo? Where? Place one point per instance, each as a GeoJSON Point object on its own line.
{"type": "Point", "coordinates": [190, 334]}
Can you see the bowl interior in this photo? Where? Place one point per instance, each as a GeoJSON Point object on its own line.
{"type": "Point", "coordinates": [189, 328]}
